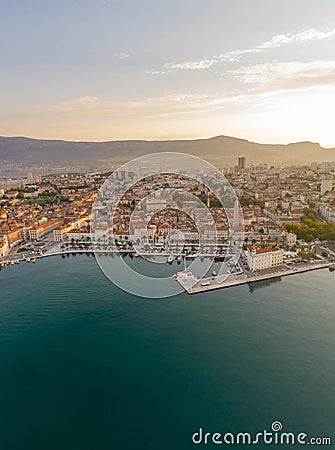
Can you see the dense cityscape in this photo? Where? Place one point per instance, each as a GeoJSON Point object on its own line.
{"type": "Point", "coordinates": [288, 213]}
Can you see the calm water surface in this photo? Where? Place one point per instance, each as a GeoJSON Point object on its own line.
{"type": "Point", "coordinates": [86, 366]}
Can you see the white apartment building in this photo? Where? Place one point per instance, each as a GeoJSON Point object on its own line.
{"type": "Point", "coordinates": [264, 258]}
{"type": "Point", "coordinates": [291, 239]}
{"type": "Point", "coordinates": [61, 232]}
{"type": "Point", "coordinates": [326, 186]}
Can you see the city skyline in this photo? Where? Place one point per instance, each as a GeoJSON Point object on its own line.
{"type": "Point", "coordinates": [97, 71]}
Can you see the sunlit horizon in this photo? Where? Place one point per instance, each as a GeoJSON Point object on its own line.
{"type": "Point", "coordinates": [109, 71]}
{"type": "Point", "coordinates": [183, 138]}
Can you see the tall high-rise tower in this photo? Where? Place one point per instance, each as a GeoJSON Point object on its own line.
{"type": "Point", "coordinates": [242, 162]}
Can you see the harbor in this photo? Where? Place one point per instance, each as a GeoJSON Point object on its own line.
{"type": "Point", "coordinates": [191, 283]}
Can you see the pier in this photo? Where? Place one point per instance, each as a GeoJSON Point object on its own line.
{"type": "Point", "coordinates": [187, 280]}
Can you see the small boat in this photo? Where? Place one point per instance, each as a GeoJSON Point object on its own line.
{"type": "Point", "coordinates": [178, 274]}
{"type": "Point", "coordinates": [28, 259]}
{"type": "Point", "coordinates": [170, 259]}
{"type": "Point", "coordinates": [190, 256]}
{"type": "Point", "coordinates": [219, 258]}
{"type": "Point", "coordinates": [214, 273]}
{"type": "Point", "coordinates": [33, 260]}
{"type": "Point", "coordinates": [179, 258]}
{"type": "Point", "coordinates": [332, 267]}
{"type": "Point", "coordinates": [205, 283]}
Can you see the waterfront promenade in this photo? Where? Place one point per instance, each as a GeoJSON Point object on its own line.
{"type": "Point", "coordinates": [187, 280]}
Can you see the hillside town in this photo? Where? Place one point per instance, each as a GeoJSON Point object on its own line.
{"type": "Point", "coordinates": [288, 212]}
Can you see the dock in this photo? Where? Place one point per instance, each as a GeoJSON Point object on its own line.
{"type": "Point", "coordinates": [193, 286]}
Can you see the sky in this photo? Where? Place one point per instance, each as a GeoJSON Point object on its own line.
{"type": "Point", "coordinates": [262, 70]}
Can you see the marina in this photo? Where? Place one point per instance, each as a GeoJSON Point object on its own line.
{"type": "Point", "coordinates": [191, 283]}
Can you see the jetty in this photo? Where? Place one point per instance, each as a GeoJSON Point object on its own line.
{"type": "Point", "coordinates": [192, 285]}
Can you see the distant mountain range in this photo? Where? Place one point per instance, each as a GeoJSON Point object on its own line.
{"type": "Point", "coordinates": [220, 150]}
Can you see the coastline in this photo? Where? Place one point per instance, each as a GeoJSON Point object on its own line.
{"type": "Point", "coordinates": [185, 279]}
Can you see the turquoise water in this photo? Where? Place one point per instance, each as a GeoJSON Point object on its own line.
{"type": "Point", "coordinates": [86, 366]}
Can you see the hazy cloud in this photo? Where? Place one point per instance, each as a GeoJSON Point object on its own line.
{"type": "Point", "coordinates": [257, 83]}
{"type": "Point", "coordinates": [287, 74]}
{"type": "Point", "coordinates": [303, 36]}
{"type": "Point", "coordinates": [156, 106]}
{"type": "Point", "coordinates": [235, 55]}
{"type": "Point", "coordinates": [122, 55]}
{"type": "Point", "coordinates": [80, 103]}
{"type": "Point", "coordinates": [191, 65]}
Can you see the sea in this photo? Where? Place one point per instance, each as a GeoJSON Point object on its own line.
{"type": "Point", "coordinates": [85, 365]}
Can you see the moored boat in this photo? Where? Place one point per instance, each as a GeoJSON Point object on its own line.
{"type": "Point", "coordinates": [178, 274]}
{"type": "Point", "coordinates": [219, 258]}
{"type": "Point", "coordinates": [170, 259]}
{"type": "Point", "coordinates": [190, 256]}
